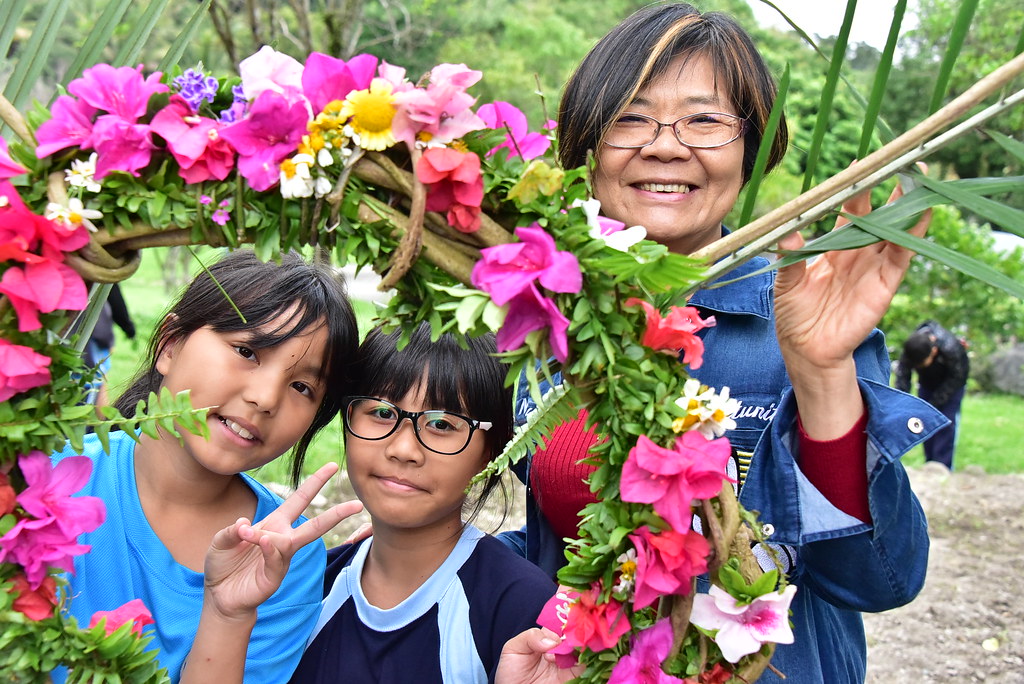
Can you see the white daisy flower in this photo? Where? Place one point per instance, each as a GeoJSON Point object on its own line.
{"type": "Point", "coordinates": [73, 214]}
{"type": "Point", "coordinates": [82, 174]}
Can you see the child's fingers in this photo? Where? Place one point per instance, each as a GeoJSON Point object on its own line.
{"type": "Point", "coordinates": [295, 504]}
{"type": "Point", "coordinates": [323, 523]}
{"type": "Point", "coordinates": [234, 534]}
{"type": "Point", "coordinates": [362, 532]}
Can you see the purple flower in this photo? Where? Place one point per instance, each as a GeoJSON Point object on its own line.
{"type": "Point", "coordinates": [70, 126]}
{"type": "Point", "coordinates": [642, 665]}
{"type": "Point", "coordinates": [196, 88]}
{"type": "Point", "coordinates": [238, 107]}
{"type": "Point", "coordinates": [121, 145]}
{"type": "Point", "coordinates": [530, 311]}
{"type": "Point", "coordinates": [118, 90]}
{"type": "Point", "coordinates": [221, 217]}
{"type": "Point", "coordinates": [271, 132]}
{"type": "Point", "coordinates": [205, 199]}
{"type": "Point", "coordinates": [507, 270]}
{"type": "Point", "coordinates": [327, 78]}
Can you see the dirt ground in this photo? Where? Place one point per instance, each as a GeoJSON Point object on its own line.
{"type": "Point", "coordinates": [967, 624]}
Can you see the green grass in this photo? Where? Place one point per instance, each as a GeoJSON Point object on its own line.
{"type": "Point", "coordinates": [990, 427]}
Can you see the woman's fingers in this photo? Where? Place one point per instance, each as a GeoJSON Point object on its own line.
{"type": "Point", "coordinates": [300, 499]}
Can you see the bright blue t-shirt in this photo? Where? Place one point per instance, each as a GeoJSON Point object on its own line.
{"type": "Point", "coordinates": [450, 630]}
{"type": "Point", "coordinates": [129, 561]}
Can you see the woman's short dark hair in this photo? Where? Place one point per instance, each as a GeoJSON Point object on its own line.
{"type": "Point", "coordinates": [639, 50]}
{"type": "Point", "coordinates": [462, 378]}
{"type": "Point", "coordinates": [262, 291]}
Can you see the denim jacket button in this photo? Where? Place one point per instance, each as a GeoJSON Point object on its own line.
{"type": "Point", "coordinates": [915, 425]}
{"type": "Point", "coordinates": [768, 529]}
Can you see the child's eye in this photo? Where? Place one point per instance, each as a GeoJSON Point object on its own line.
{"type": "Point", "coordinates": [303, 389]}
{"type": "Point", "coordinates": [382, 413]}
{"type": "Point", "coordinates": [245, 352]}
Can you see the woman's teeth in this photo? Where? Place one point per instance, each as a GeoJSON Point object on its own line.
{"type": "Point", "coordinates": [237, 429]}
{"type": "Point", "coordinates": [663, 187]}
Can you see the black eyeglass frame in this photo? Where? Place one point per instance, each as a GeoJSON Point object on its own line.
{"type": "Point", "coordinates": [675, 132]}
{"type": "Point", "coordinates": [413, 417]}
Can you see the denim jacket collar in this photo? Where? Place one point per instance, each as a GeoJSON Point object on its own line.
{"type": "Point", "coordinates": [752, 295]}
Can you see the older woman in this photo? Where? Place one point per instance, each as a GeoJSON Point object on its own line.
{"type": "Point", "coordinates": [672, 102]}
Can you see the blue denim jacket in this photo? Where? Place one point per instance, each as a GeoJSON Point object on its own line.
{"type": "Point", "coordinates": [840, 565]}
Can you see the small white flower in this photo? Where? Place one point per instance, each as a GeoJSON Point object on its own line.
{"type": "Point", "coordinates": [73, 214]}
{"type": "Point", "coordinates": [613, 232]}
{"type": "Point", "coordinates": [322, 187]}
{"type": "Point", "coordinates": [717, 415]}
{"type": "Point", "coordinates": [296, 179]}
{"type": "Point", "coordinates": [627, 572]}
{"type": "Point", "coordinates": [82, 174]}
{"type": "Point", "coordinates": [324, 157]}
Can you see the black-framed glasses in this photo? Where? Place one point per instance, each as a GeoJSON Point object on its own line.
{"type": "Point", "coordinates": [704, 130]}
{"type": "Point", "coordinates": [443, 432]}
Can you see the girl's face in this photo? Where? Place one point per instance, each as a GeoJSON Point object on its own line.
{"type": "Point", "coordinates": [679, 194]}
{"type": "Point", "coordinates": [262, 400]}
{"type": "Point", "coordinates": [406, 486]}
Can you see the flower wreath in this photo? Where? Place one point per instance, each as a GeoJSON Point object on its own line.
{"type": "Point", "coordinates": [475, 228]}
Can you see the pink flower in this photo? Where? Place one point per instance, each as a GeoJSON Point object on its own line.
{"type": "Point", "coordinates": [49, 492]}
{"type": "Point", "coordinates": [195, 141]}
{"type": "Point", "coordinates": [271, 132]}
{"type": "Point", "coordinates": [506, 271]}
{"type": "Point", "coordinates": [642, 665]}
{"type": "Point", "coordinates": [8, 167]}
{"type": "Point", "coordinates": [37, 546]}
{"type": "Point", "coordinates": [121, 145]}
{"type": "Point", "coordinates": [454, 184]}
{"type": "Point", "coordinates": [327, 78]}
{"type": "Point", "coordinates": [134, 611]}
{"type": "Point", "coordinates": [519, 139]}
{"type": "Point", "coordinates": [271, 70]}
{"type": "Point", "coordinates": [23, 234]}
{"type": "Point", "coordinates": [671, 479]}
{"type": "Point", "coordinates": [441, 112]}
{"type": "Point", "coordinates": [594, 625]}
{"type": "Point", "coordinates": [42, 288]}
{"type": "Point", "coordinates": [666, 563]}
{"type": "Point", "coordinates": [21, 369]}
{"type": "Point", "coordinates": [69, 126]}
{"type": "Point", "coordinates": [529, 311]}
{"type": "Point", "coordinates": [743, 628]}
{"type": "Point", "coordinates": [553, 616]}
{"type": "Point", "coordinates": [221, 217]}
{"type": "Point", "coordinates": [675, 332]}
{"type": "Point", "coordinates": [35, 604]}
{"type": "Point", "coordinates": [121, 91]}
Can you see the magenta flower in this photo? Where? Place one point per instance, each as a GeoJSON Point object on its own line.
{"type": "Point", "coordinates": [519, 139]}
{"type": "Point", "coordinates": [42, 288]}
{"type": "Point", "coordinates": [441, 112]}
{"type": "Point", "coordinates": [666, 563]}
{"type": "Point", "coordinates": [120, 91]}
{"type": "Point", "coordinates": [506, 271]}
{"type": "Point", "coordinates": [50, 489]}
{"type": "Point", "coordinates": [642, 665]}
{"type": "Point", "coordinates": [134, 611]}
{"type": "Point", "coordinates": [271, 70]}
{"type": "Point", "coordinates": [21, 369]}
{"type": "Point", "coordinates": [743, 628]}
{"type": "Point", "coordinates": [454, 184]}
{"type": "Point", "coordinates": [121, 145]}
{"type": "Point", "coordinates": [327, 78]}
{"type": "Point", "coordinates": [554, 615]}
{"type": "Point", "coordinates": [529, 311]}
{"type": "Point", "coordinates": [195, 141]}
{"type": "Point", "coordinates": [672, 479]}
{"type": "Point", "coordinates": [8, 167]}
{"type": "Point", "coordinates": [69, 126]}
{"type": "Point", "coordinates": [37, 546]}
{"type": "Point", "coordinates": [271, 133]}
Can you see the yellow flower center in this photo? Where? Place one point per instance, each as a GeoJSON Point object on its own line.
{"type": "Point", "coordinates": [288, 167]}
{"type": "Point", "coordinates": [628, 569]}
{"type": "Point", "coordinates": [683, 424]}
{"type": "Point", "coordinates": [372, 110]}
{"type": "Point", "coordinates": [718, 416]}
{"type": "Point", "coordinates": [74, 217]}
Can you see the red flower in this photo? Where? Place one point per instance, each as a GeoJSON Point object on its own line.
{"type": "Point", "coordinates": [594, 625]}
{"type": "Point", "coordinates": [454, 184]}
{"type": "Point", "coordinates": [719, 674]}
{"type": "Point", "coordinates": [25, 235]}
{"type": "Point", "coordinates": [675, 332]}
{"type": "Point", "coordinates": [195, 141]}
{"type": "Point", "coordinates": [34, 604]}
{"type": "Point", "coordinates": [666, 563]}
{"type": "Point", "coordinates": [7, 495]}
{"type": "Point", "coordinates": [134, 611]}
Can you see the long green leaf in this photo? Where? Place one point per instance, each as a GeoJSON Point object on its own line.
{"type": "Point", "coordinates": [1007, 218]}
{"type": "Point", "coordinates": [956, 40]}
{"type": "Point", "coordinates": [97, 39]}
{"type": "Point", "coordinates": [10, 15]}
{"type": "Point", "coordinates": [881, 79]}
{"type": "Point", "coordinates": [827, 95]}
{"type": "Point", "coordinates": [943, 255]}
{"type": "Point", "coordinates": [35, 53]}
{"type": "Point", "coordinates": [178, 46]}
{"type": "Point", "coordinates": [767, 139]}
{"type": "Point", "coordinates": [136, 40]}
{"type": "Point", "coordinates": [1013, 147]}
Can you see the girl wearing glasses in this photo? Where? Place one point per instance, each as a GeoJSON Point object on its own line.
{"type": "Point", "coordinates": [429, 598]}
{"type": "Point", "coordinates": [672, 103]}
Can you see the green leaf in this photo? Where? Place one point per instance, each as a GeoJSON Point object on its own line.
{"type": "Point", "coordinates": [132, 46]}
{"type": "Point", "coordinates": [767, 139]}
{"type": "Point", "coordinates": [10, 14]}
{"type": "Point", "coordinates": [881, 79]}
{"type": "Point", "coordinates": [956, 40]}
{"type": "Point", "coordinates": [35, 53]}
{"type": "Point", "coordinates": [97, 39]}
{"type": "Point", "coordinates": [177, 48]}
{"type": "Point", "coordinates": [1006, 217]}
{"type": "Point", "coordinates": [1014, 147]}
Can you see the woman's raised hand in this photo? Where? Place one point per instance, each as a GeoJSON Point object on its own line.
{"type": "Point", "coordinates": [826, 307]}
{"type": "Point", "coordinates": [525, 660]}
{"type": "Point", "coordinates": [246, 563]}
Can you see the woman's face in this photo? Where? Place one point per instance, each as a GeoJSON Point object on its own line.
{"type": "Point", "coordinates": [680, 195]}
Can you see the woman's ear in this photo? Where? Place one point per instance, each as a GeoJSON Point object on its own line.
{"type": "Point", "coordinates": [168, 346]}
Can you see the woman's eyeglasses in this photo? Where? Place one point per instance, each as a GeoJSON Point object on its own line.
{"type": "Point", "coordinates": [442, 432]}
{"type": "Point", "coordinates": [703, 131]}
